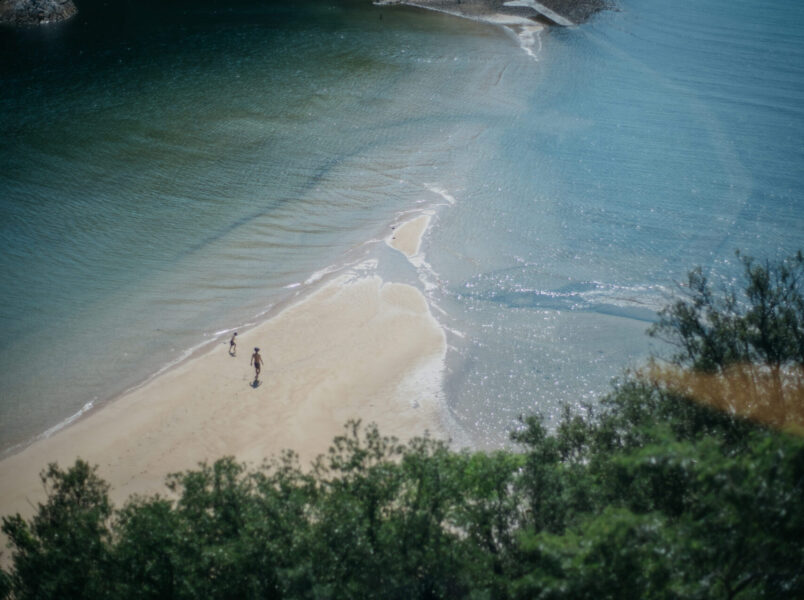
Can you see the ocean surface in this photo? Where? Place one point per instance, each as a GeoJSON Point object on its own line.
{"type": "Point", "coordinates": [170, 172]}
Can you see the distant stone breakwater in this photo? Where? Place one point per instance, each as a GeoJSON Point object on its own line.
{"type": "Point", "coordinates": [35, 12]}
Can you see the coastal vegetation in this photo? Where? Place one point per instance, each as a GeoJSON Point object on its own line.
{"type": "Point", "coordinates": [685, 481]}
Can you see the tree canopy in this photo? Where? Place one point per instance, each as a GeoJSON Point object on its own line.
{"type": "Point", "coordinates": [741, 347]}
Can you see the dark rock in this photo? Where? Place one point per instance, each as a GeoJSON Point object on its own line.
{"type": "Point", "coordinates": [35, 12]}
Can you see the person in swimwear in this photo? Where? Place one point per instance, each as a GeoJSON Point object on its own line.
{"type": "Point", "coordinates": [256, 360]}
{"type": "Point", "coordinates": [233, 344]}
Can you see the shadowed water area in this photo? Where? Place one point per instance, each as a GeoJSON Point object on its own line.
{"type": "Point", "coordinates": [170, 173]}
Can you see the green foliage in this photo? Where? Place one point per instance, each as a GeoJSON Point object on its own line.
{"type": "Point", "coordinates": [615, 554]}
{"type": "Point", "coordinates": [574, 515]}
{"type": "Point", "coordinates": [749, 339]}
{"type": "Point", "coordinates": [649, 494]}
{"type": "Point", "coordinates": [147, 555]}
{"type": "Point", "coordinates": [763, 323]}
{"type": "Point", "coordinates": [63, 552]}
{"type": "Point", "coordinates": [5, 585]}
{"type": "Point", "coordinates": [671, 517]}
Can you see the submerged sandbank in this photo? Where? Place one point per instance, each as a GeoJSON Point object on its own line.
{"type": "Point", "coordinates": [357, 348]}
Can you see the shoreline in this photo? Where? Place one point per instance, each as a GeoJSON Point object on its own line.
{"type": "Point", "coordinates": [355, 347]}
{"type": "Point", "coordinates": [297, 294]}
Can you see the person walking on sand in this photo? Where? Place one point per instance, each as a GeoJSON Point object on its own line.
{"type": "Point", "coordinates": [233, 344]}
{"type": "Point", "coordinates": [256, 360]}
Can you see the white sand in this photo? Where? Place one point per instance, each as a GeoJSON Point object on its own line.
{"type": "Point", "coordinates": [407, 237]}
{"type": "Point", "coordinates": [354, 349]}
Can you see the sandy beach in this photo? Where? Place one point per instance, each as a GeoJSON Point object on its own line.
{"type": "Point", "coordinates": [358, 347]}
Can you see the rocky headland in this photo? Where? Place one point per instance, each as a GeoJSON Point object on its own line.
{"type": "Point", "coordinates": [35, 12]}
{"type": "Point", "coordinates": [552, 12]}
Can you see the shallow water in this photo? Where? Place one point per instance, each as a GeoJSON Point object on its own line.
{"type": "Point", "coordinates": [658, 138]}
{"type": "Point", "coordinates": [169, 174]}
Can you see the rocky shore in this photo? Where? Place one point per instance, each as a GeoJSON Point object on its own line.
{"type": "Point", "coordinates": [551, 12]}
{"type": "Point", "coordinates": [35, 12]}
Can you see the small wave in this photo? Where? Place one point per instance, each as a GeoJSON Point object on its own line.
{"type": "Point", "coordinates": [427, 275]}
{"type": "Point", "coordinates": [170, 364]}
{"type": "Point", "coordinates": [48, 432]}
{"type": "Point", "coordinates": [321, 273]}
{"type": "Point", "coordinates": [529, 39]}
{"type": "Point", "coordinates": [358, 270]}
{"type": "Point", "coordinates": [441, 192]}
{"type": "Point", "coordinates": [455, 332]}
{"type": "Point", "coordinates": [223, 331]}
{"type": "Point", "coordinates": [527, 32]}
{"type": "Point", "coordinates": [68, 421]}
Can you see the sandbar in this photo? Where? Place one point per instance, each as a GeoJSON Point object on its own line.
{"type": "Point", "coordinates": [407, 237]}
{"type": "Point", "coordinates": [358, 347]}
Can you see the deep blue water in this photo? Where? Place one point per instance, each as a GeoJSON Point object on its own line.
{"type": "Point", "coordinates": [170, 173]}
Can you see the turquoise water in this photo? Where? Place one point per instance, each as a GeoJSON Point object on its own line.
{"type": "Point", "coordinates": [170, 174]}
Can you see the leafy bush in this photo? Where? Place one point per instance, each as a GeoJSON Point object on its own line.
{"type": "Point", "coordinates": [741, 350]}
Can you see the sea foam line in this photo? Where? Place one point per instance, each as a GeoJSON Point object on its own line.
{"type": "Point", "coordinates": [524, 29]}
